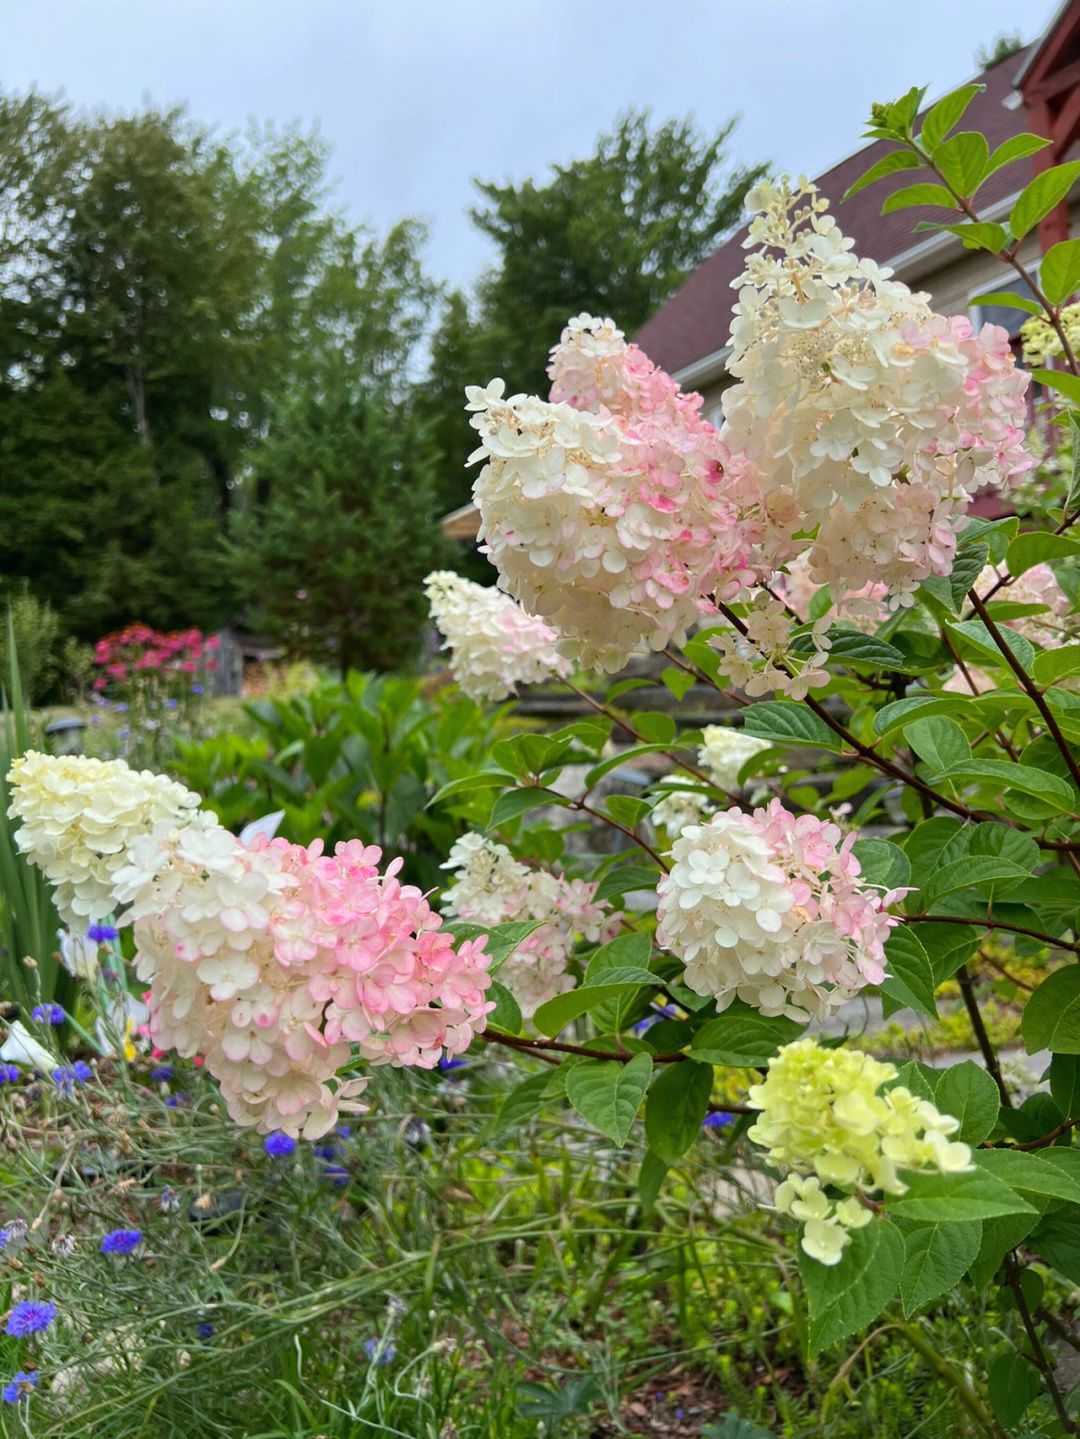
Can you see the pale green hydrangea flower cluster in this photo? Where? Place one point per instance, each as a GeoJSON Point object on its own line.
{"type": "Point", "coordinates": [824, 1111]}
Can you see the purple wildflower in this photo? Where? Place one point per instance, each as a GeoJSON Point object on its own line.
{"type": "Point", "coordinates": [379, 1351]}
{"type": "Point", "coordinates": [121, 1241]}
{"type": "Point", "coordinates": [204, 1331]}
{"type": "Point", "coordinates": [719, 1120]}
{"type": "Point", "coordinates": [197, 690]}
{"type": "Point", "coordinates": [9, 1074]}
{"type": "Point", "coordinates": [278, 1145]}
{"type": "Point", "coordinates": [14, 1390]}
{"type": "Point", "coordinates": [30, 1317]}
{"type": "Point", "coordinates": [334, 1174]}
{"type": "Point", "coordinates": [162, 1074]}
{"type": "Point", "coordinates": [101, 933]}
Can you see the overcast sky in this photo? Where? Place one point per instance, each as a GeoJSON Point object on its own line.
{"type": "Point", "coordinates": [419, 96]}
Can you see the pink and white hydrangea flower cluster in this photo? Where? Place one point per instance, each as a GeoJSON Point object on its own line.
{"type": "Point", "coordinates": [274, 963]}
{"type": "Point", "coordinates": [871, 418]}
{"type": "Point", "coordinates": [769, 908]}
{"type": "Point", "coordinates": [603, 509]}
{"type": "Point", "coordinates": [494, 645]}
{"type": "Point", "coordinates": [273, 960]}
{"type": "Point", "coordinates": [492, 887]}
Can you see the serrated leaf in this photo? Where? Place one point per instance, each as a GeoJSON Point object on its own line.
{"type": "Point", "coordinates": [882, 863]}
{"type": "Point", "coordinates": [936, 1257]}
{"type": "Point", "coordinates": [969, 1094]}
{"type": "Point", "coordinates": [938, 741]}
{"type": "Point", "coordinates": [1054, 1174]}
{"type": "Point", "coordinates": [507, 1013]}
{"type": "Point", "coordinates": [918, 195]}
{"type": "Point", "coordinates": [678, 1102]}
{"type": "Point", "coordinates": [972, 1194]}
{"type": "Point", "coordinates": [1034, 549]}
{"type": "Point", "coordinates": [1037, 199]}
{"type": "Point", "coordinates": [1065, 1084]}
{"type": "Point", "coordinates": [847, 1297]}
{"type": "Point", "coordinates": [555, 1014]}
{"type": "Point", "coordinates": [1059, 271]}
{"type": "Point", "coordinates": [525, 1100]}
{"type": "Point", "coordinates": [945, 115]}
{"type": "Point", "coordinates": [900, 712]}
{"type": "Point", "coordinates": [963, 160]}
{"type": "Point", "coordinates": [517, 802]}
{"type": "Point", "coordinates": [497, 779]}
{"type": "Point", "coordinates": [850, 647]}
{"type": "Point", "coordinates": [998, 1237]}
{"type": "Point", "coordinates": [626, 877]}
{"type": "Point", "coordinates": [1021, 777]}
{"type": "Point", "coordinates": [970, 560]}
{"type": "Point", "coordinates": [786, 722]}
{"type": "Point", "coordinates": [742, 1037]}
{"type": "Point", "coordinates": [626, 951]}
{"type": "Point", "coordinates": [608, 1094]}
{"type": "Point", "coordinates": [1066, 384]}
{"type": "Point", "coordinates": [1052, 665]}
{"type": "Point", "coordinates": [965, 874]}
{"type": "Point", "coordinates": [889, 165]}
{"type": "Point", "coordinates": [1009, 300]}
{"type": "Point", "coordinates": [1011, 1384]}
{"type": "Point", "coordinates": [975, 634]}
{"type": "Point", "coordinates": [975, 235]}
{"type": "Point", "coordinates": [1017, 147]}
{"type": "Point", "coordinates": [1051, 1018]}
{"type": "Point", "coordinates": [910, 980]}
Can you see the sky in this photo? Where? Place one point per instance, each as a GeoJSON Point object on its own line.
{"type": "Point", "coordinates": [417, 97]}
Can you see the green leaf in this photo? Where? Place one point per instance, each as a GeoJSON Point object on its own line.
{"type": "Point", "coordinates": [677, 681]}
{"type": "Point", "coordinates": [918, 1077]}
{"type": "Point", "coordinates": [507, 1013]}
{"type": "Point", "coordinates": [910, 981]}
{"type": "Point", "coordinates": [974, 633]}
{"type": "Point", "coordinates": [973, 1194]}
{"type": "Point", "coordinates": [517, 802]}
{"type": "Point", "coordinates": [1037, 199]}
{"type": "Point", "coordinates": [963, 161]}
{"type": "Point", "coordinates": [998, 1237]}
{"type": "Point", "coordinates": [847, 1297]}
{"type": "Point", "coordinates": [555, 1014]}
{"type": "Point", "coordinates": [937, 1256]}
{"type": "Point", "coordinates": [1052, 665]}
{"type": "Point", "coordinates": [900, 712]}
{"type": "Point", "coordinates": [626, 877]}
{"type": "Point", "coordinates": [850, 647]}
{"type": "Point", "coordinates": [1011, 1384]}
{"type": "Point", "coordinates": [969, 1094]}
{"type": "Point", "coordinates": [945, 115]}
{"type": "Point", "coordinates": [677, 1104]}
{"type": "Point", "coordinates": [882, 863]}
{"type": "Point", "coordinates": [1065, 383]}
{"type": "Point", "coordinates": [1022, 777]}
{"type": "Point", "coordinates": [974, 235]}
{"type": "Point", "coordinates": [965, 874]}
{"type": "Point", "coordinates": [970, 560]}
{"type": "Point", "coordinates": [785, 722]}
{"type": "Point", "coordinates": [889, 165]}
{"type": "Point", "coordinates": [1017, 147]}
{"type": "Point", "coordinates": [525, 1100]}
{"type": "Point", "coordinates": [627, 951]}
{"type": "Point", "coordinates": [742, 1038]}
{"type": "Point", "coordinates": [938, 740]}
{"type": "Point", "coordinates": [1009, 299]}
{"type": "Point", "coordinates": [1065, 1084]}
{"type": "Point", "coordinates": [1051, 1018]}
{"type": "Point", "coordinates": [1059, 272]}
{"type": "Point", "coordinates": [918, 195]}
{"type": "Point", "coordinates": [505, 938]}
{"type": "Point", "coordinates": [1056, 1240]}
{"type": "Point", "coordinates": [650, 1179]}
{"type": "Point", "coordinates": [1035, 548]}
{"type": "Point", "coordinates": [497, 779]}
{"type": "Point", "coordinates": [608, 1094]}
{"type": "Point", "coordinates": [1050, 1175]}
{"type": "Point", "coordinates": [1072, 499]}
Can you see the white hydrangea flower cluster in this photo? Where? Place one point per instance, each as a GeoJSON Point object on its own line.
{"type": "Point", "coordinates": [870, 418]}
{"type": "Point", "coordinates": [769, 908]}
{"type": "Point", "coordinates": [603, 509]}
{"type": "Point", "coordinates": [722, 755]}
{"type": "Point", "coordinates": [492, 887]}
{"type": "Point", "coordinates": [270, 960]}
{"type": "Point", "coordinates": [77, 818]}
{"type": "Point", "coordinates": [824, 1114]}
{"type": "Point", "coordinates": [494, 645]}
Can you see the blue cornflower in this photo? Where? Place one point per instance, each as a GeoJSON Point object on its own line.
{"type": "Point", "coordinates": [101, 933]}
{"type": "Point", "coordinates": [379, 1351]}
{"type": "Point", "coordinates": [327, 1151]}
{"type": "Point", "coordinates": [176, 1101]}
{"type": "Point", "coordinates": [171, 704]}
{"type": "Point", "coordinates": [204, 1331]}
{"type": "Point", "coordinates": [343, 1131]}
{"type": "Point", "coordinates": [48, 1013]}
{"type": "Point", "coordinates": [716, 1121]}
{"type": "Point", "coordinates": [30, 1317]}
{"type": "Point", "coordinates": [278, 1145]}
{"type": "Point", "coordinates": [23, 1383]}
{"type": "Point", "coordinates": [66, 1078]}
{"type": "Point", "coordinates": [644, 1025]}
{"type": "Point", "coordinates": [121, 1241]}
{"type": "Point", "coordinates": [334, 1174]}
{"type": "Point", "coordinates": [162, 1074]}
{"type": "Point", "coordinates": [197, 690]}
{"type": "Point", "coordinates": [445, 1063]}
{"type": "Point", "coordinates": [9, 1073]}
{"type": "Point", "coordinates": [122, 709]}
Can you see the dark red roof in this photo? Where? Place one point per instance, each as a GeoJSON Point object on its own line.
{"type": "Point", "coordinates": [694, 322]}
